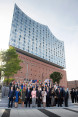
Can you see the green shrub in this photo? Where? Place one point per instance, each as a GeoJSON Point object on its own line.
{"type": "Point", "coordinates": [8, 80]}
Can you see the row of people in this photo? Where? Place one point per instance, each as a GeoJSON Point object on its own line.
{"type": "Point", "coordinates": [74, 95]}
{"type": "Point", "coordinates": [46, 95]}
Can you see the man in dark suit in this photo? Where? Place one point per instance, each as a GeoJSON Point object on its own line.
{"type": "Point", "coordinates": [28, 96]}
{"type": "Point", "coordinates": [38, 94]}
{"type": "Point", "coordinates": [73, 93]}
{"type": "Point", "coordinates": [10, 97]}
{"type": "Point", "coordinates": [66, 96]}
{"type": "Point", "coordinates": [59, 97]}
{"type": "Point", "coordinates": [76, 95]}
{"type": "Point", "coordinates": [48, 97]}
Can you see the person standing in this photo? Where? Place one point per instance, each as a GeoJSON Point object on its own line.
{"type": "Point", "coordinates": [39, 97]}
{"type": "Point", "coordinates": [23, 96]}
{"type": "Point", "coordinates": [10, 97]}
{"type": "Point", "coordinates": [59, 97]}
{"type": "Point", "coordinates": [17, 96]}
{"type": "Point", "coordinates": [10, 85]}
{"type": "Point", "coordinates": [28, 96]}
{"type": "Point", "coordinates": [48, 98]}
{"type": "Point", "coordinates": [20, 93]}
{"type": "Point", "coordinates": [52, 97]}
{"type": "Point", "coordinates": [14, 88]}
{"type": "Point", "coordinates": [33, 94]}
{"type": "Point", "coordinates": [72, 95]}
{"type": "Point", "coordinates": [66, 96]}
{"type": "Point", "coordinates": [44, 97]}
{"type": "Point", "coordinates": [76, 95]}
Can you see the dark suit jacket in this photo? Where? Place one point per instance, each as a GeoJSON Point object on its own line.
{"type": "Point", "coordinates": [73, 93]}
{"type": "Point", "coordinates": [66, 94]}
{"type": "Point", "coordinates": [11, 94]}
{"type": "Point", "coordinates": [38, 94]}
{"type": "Point", "coordinates": [28, 94]}
{"type": "Point", "coordinates": [59, 94]}
{"type": "Point", "coordinates": [48, 94]}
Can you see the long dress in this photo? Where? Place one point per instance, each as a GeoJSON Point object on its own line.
{"type": "Point", "coordinates": [23, 96]}
{"type": "Point", "coordinates": [44, 96]}
{"type": "Point", "coordinates": [20, 100]}
{"type": "Point", "coordinates": [16, 96]}
{"type": "Point", "coordinates": [33, 94]}
{"type": "Point", "coordinates": [52, 98]}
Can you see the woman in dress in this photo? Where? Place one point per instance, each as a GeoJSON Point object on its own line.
{"type": "Point", "coordinates": [23, 96]}
{"type": "Point", "coordinates": [52, 97]}
{"type": "Point", "coordinates": [20, 93]}
{"type": "Point", "coordinates": [17, 95]}
{"type": "Point", "coordinates": [44, 97]}
{"type": "Point", "coordinates": [33, 94]}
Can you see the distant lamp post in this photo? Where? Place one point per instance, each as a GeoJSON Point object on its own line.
{"type": "Point", "coordinates": [27, 64]}
{"type": "Point", "coordinates": [42, 77]}
{"type": "Point", "coordinates": [27, 71]}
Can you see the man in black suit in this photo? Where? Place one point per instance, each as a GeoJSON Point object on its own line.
{"type": "Point", "coordinates": [59, 97]}
{"type": "Point", "coordinates": [73, 95]}
{"type": "Point", "coordinates": [48, 98]}
{"type": "Point", "coordinates": [10, 97]}
{"type": "Point", "coordinates": [38, 94]}
{"type": "Point", "coordinates": [66, 96]}
{"type": "Point", "coordinates": [76, 95]}
{"type": "Point", "coordinates": [28, 96]}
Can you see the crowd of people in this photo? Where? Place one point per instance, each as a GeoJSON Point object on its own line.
{"type": "Point", "coordinates": [74, 95]}
{"type": "Point", "coordinates": [40, 94]}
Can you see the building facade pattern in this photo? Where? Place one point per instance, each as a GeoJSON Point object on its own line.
{"type": "Point", "coordinates": [35, 38]}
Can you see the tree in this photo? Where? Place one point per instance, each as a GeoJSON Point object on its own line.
{"type": "Point", "coordinates": [0, 66]}
{"type": "Point", "coordinates": [10, 62]}
{"type": "Point", "coordinates": [9, 80]}
{"type": "Point", "coordinates": [0, 73]}
{"type": "Point", "coordinates": [56, 77]}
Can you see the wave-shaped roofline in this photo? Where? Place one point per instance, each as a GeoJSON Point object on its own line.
{"type": "Point", "coordinates": [37, 22]}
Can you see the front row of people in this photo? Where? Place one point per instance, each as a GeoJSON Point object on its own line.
{"type": "Point", "coordinates": [48, 97]}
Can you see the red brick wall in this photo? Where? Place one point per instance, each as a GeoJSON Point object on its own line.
{"type": "Point", "coordinates": [72, 84]}
{"type": "Point", "coordinates": [37, 70]}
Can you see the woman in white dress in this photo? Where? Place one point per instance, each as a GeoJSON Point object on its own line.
{"type": "Point", "coordinates": [44, 97]}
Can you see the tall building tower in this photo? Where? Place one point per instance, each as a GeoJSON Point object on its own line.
{"type": "Point", "coordinates": [42, 53]}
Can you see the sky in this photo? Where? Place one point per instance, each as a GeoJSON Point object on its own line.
{"type": "Point", "coordinates": [61, 16]}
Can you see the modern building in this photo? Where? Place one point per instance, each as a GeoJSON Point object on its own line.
{"type": "Point", "coordinates": [42, 53]}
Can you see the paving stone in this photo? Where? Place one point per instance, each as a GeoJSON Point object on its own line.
{"type": "Point", "coordinates": [58, 112]}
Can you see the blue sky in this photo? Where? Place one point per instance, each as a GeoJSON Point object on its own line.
{"type": "Point", "coordinates": [61, 16]}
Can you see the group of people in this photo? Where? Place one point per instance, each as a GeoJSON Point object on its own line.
{"type": "Point", "coordinates": [42, 94]}
{"type": "Point", "coordinates": [74, 95]}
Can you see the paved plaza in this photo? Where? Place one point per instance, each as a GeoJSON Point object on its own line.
{"type": "Point", "coordinates": [47, 112]}
{"type": "Point", "coordinates": [71, 111]}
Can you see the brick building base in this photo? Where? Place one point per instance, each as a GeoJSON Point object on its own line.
{"type": "Point", "coordinates": [72, 84]}
{"type": "Point", "coordinates": [37, 70]}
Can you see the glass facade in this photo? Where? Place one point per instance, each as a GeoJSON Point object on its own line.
{"type": "Point", "coordinates": [35, 38]}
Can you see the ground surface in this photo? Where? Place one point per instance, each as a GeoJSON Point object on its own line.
{"type": "Point", "coordinates": [71, 111]}
{"type": "Point", "coordinates": [47, 112]}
